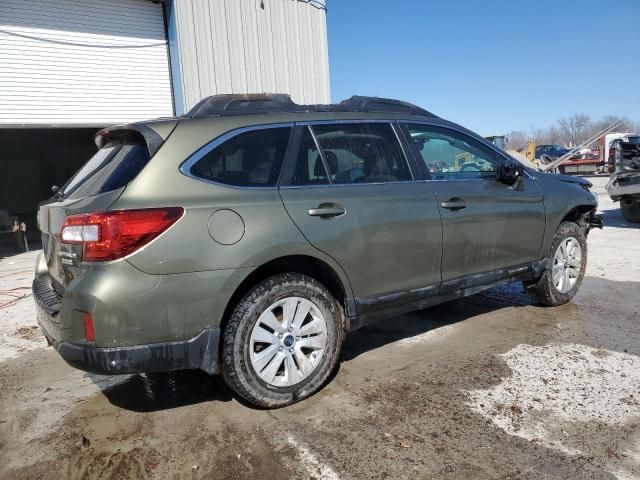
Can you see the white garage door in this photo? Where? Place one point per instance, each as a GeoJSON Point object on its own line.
{"type": "Point", "coordinates": [82, 62]}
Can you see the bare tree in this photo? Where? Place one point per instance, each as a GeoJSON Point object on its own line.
{"type": "Point", "coordinates": [517, 140]}
{"type": "Point", "coordinates": [575, 129]}
{"type": "Point", "coordinates": [571, 131]}
{"type": "Point", "coordinates": [547, 136]}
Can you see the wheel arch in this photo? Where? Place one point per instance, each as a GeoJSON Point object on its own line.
{"type": "Point", "coordinates": [576, 214]}
{"type": "Point", "coordinates": [309, 265]}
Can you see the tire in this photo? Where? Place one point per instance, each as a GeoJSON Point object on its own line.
{"type": "Point", "coordinates": [545, 159]}
{"type": "Point", "coordinates": [630, 208]}
{"type": "Point", "coordinates": [252, 320]}
{"type": "Point", "coordinates": [545, 290]}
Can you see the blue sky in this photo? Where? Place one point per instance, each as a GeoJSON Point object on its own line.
{"type": "Point", "coordinates": [493, 66]}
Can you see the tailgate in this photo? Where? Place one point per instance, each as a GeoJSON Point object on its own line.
{"type": "Point", "coordinates": [94, 188]}
{"type": "Point", "coordinates": [62, 259]}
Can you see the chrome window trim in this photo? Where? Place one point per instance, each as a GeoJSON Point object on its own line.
{"type": "Point", "coordinates": [185, 167]}
{"type": "Point", "coordinates": [359, 184]}
{"type": "Point", "coordinates": [342, 121]}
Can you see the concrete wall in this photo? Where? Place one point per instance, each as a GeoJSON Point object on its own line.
{"type": "Point", "coordinates": [249, 46]}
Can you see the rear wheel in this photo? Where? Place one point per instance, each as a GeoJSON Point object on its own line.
{"type": "Point", "coordinates": [567, 263]}
{"type": "Point", "coordinates": [282, 340]}
{"type": "Point", "coordinates": [630, 209]}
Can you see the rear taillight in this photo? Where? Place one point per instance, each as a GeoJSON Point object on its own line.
{"type": "Point", "coordinates": [612, 159]}
{"type": "Point", "coordinates": [89, 331]}
{"type": "Point", "coordinates": [116, 234]}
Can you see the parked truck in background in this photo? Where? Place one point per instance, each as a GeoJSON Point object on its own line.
{"type": "Point", "coordinates": [624, 184]}
{"type": "Point", "coordinates": [606, 144]}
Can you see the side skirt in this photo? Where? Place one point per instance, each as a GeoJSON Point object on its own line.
{"type": "Point", "coordinates": [376, 309]}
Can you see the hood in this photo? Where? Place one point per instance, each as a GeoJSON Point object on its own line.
{"type": "Point", "coordinates": [570, 179]}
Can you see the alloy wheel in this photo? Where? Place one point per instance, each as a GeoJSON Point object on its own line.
{"type": "Point", "coordinates": [567, 263]}
{"type": "Point", "coordinates": [288, 341]}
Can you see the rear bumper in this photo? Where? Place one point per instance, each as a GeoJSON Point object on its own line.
{"type": "Point", "coordinates": [143, 323]}
{"type": "Point", "coordinates": [200, 352]}
{"type": "Point", "coordinates": [623, 185]}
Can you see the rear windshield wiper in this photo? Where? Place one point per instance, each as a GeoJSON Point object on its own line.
{"type": "Point", "coordinates": [58, 193]}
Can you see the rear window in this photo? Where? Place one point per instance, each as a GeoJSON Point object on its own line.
{"type": "Point", "coordinates": [112, 167]}
{"type": "Point", "coordinates": [250, 159]}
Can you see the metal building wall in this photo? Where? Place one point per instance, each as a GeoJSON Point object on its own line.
{"type": "Point", "coordinates": [251, 46]}
{"type": "Point", "coordinates": [89, 62]}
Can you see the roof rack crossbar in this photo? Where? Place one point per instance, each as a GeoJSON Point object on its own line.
{"type": "Point", "coordinates": [256, 103]}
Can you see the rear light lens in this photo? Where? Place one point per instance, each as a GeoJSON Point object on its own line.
{"type": "Point", "coordinates": [89, 332]}
{"type": "Point", "coordinates": [112, 235]}
{"type": "Point", "coordinates": [612, 159]}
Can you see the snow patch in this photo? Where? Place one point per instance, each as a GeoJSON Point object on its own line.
{"type": "Point", "coordinates": [434, 334]}
{"type": "Point", "coordinates": [558, 385]}
{"type": "Point", "coordinates": [19, 331]}
{"type": "Point", "coordinates": [310, 462]}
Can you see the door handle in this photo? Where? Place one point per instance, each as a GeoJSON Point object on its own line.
{"type": "Point", "coordinates": [329, 210]}
{"type": "Point", "coordinates": [454, 204]}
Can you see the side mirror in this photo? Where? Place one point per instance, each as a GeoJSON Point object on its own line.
{"type": "Point", "coordinates": [510, 173]}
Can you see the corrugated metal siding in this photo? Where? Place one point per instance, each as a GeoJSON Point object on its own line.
{"type": "Point", "coordinates": [236, 46]}
{"type": "Point", "coordinates": [82, 62]}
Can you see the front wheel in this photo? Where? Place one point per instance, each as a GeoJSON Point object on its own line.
{"type": "Point", "coordinates": [282, 340]}
{"type": "Point", "coordinates": [567, 263]}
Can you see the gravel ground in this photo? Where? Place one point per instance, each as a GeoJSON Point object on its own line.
{"type": "Point", "coordinates": [485, 387]}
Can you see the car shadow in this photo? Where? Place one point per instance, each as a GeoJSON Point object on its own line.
{"type": "Point", "coordinates": [151, 392]}
{"type": "Point", "coordinates": [420, 322]}
{"type": "Point", "coordinates": [163, 391]}
{"type": "Point", "coordinates": [613, 218]}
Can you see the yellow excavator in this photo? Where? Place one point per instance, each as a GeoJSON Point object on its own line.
{"type": "Point", "coordinates": [525, 155]}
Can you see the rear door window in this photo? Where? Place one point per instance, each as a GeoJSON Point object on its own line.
{"type": "Point", "coordinates": [250, 159]}
{"type": "Point", "coordinates": [112, 167]}
{"type": "Point", "coordinates": [362, 153]}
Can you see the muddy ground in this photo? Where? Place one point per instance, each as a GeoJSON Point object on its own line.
{"type": "Point", "coordinates": [484, 387]}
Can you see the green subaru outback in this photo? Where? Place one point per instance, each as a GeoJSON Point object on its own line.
{"type": "Point", "coordinates": [249, 236]}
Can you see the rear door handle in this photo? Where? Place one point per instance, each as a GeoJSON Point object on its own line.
{"type": "Point", "coordinates": [327, 211]}
{"type": "Point", "coordinates": [454, 204]}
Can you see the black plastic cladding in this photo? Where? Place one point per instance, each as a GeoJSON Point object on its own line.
{"type": "Point", "coordinates": [245, 104]}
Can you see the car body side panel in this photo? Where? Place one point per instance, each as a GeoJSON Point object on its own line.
{"type": "Point", "coordinates": [389, 241]}
{"type": "Point", "coordinates": [560, 198]}
{"type": "Point", "coordinates": [499, 227]}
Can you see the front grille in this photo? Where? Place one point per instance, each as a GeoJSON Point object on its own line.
{"type": "Point", "coordinates": [45, 296]}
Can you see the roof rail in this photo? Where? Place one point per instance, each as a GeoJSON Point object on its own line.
{"type": "Point", "coordinates": [383, 105]}
{"type": "Point", "coordinates": [255, 103]}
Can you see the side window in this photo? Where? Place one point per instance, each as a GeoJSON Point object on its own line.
{"type": "Point", "coordinates": [309, 167]}
{"type": "Point", "coordinates": [362, 153]}
{"type": "Point", "coordinates": [250, 159]}
{"type": "Point", "coordinates": [451, 155]}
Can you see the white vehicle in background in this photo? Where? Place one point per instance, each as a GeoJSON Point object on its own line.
{"type": "Point", "coordinates": [624, 184]}
{"type": "Point", "coordinates": [605, 147]}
